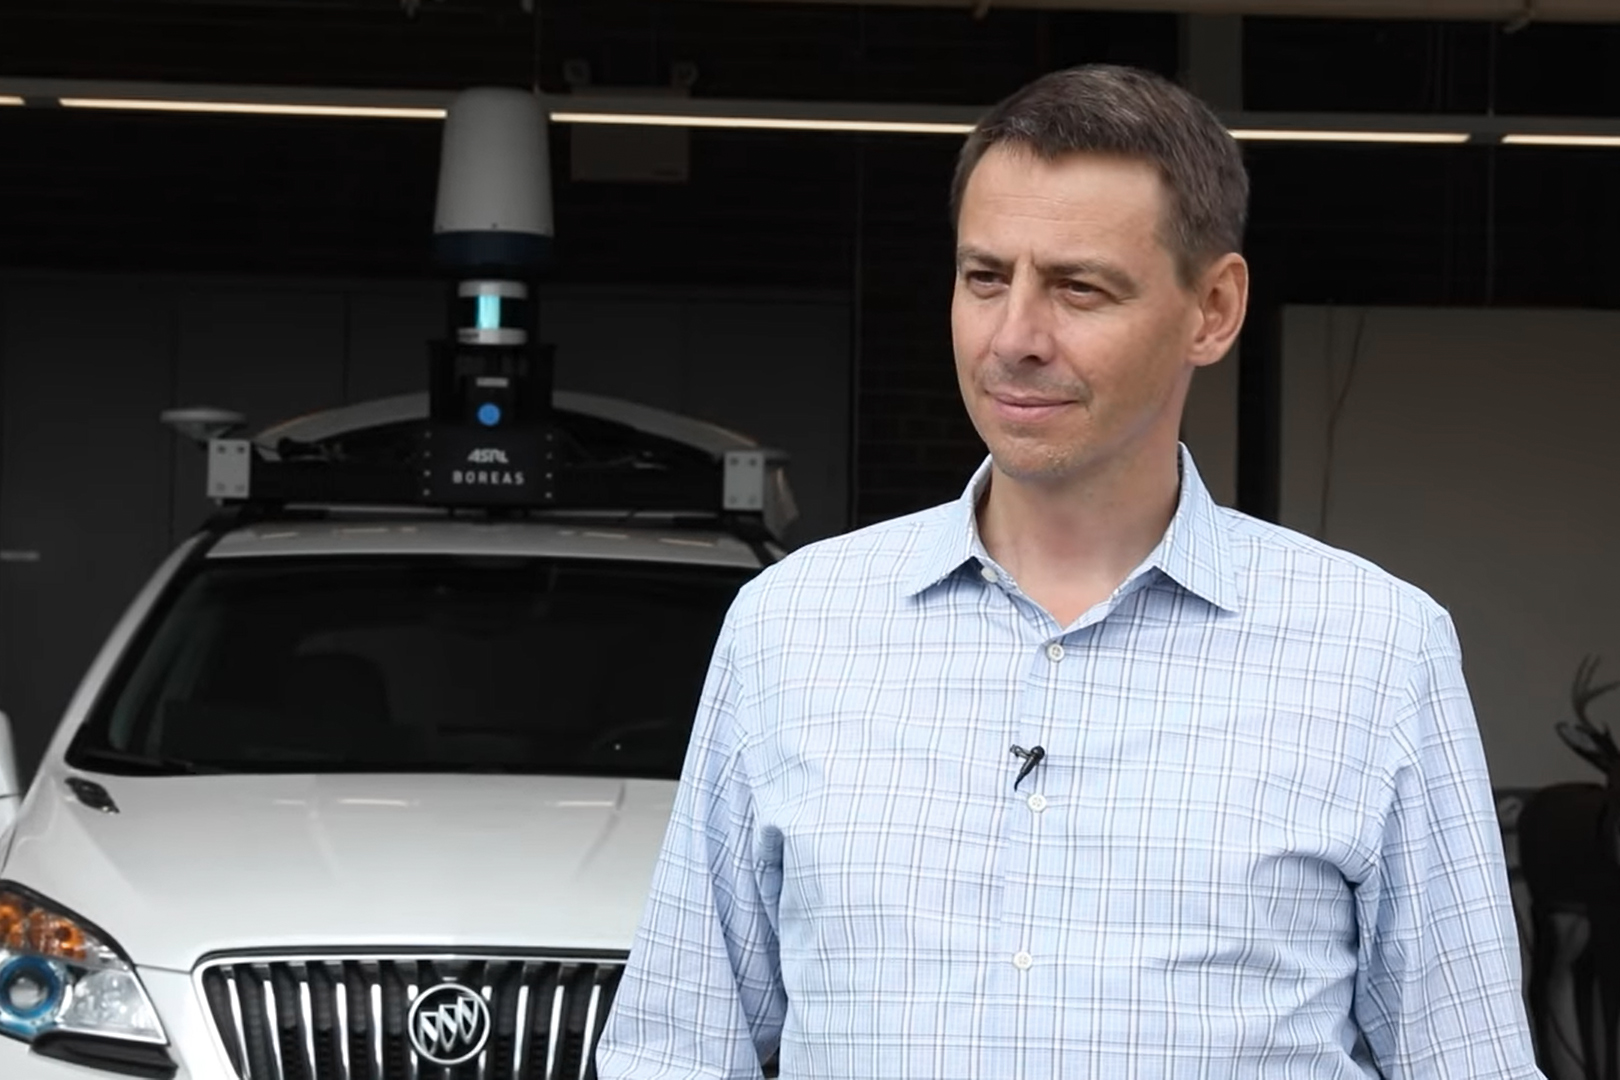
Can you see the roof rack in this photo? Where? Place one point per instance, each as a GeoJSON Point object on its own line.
{"type": "Point", "coordinates": [492, 434]}
{"type": "Point", "coordinates": [589, 453]}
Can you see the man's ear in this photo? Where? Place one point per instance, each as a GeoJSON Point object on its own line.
{"type": "Point", "coordinates": [1223, 301]}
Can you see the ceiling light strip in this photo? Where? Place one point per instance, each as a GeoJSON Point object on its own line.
{"type": "Point", "coordinates": [261, 108]}
{"type": "Point", "coordinates": [755, 123]}
{"type": "Point", "coordinates": [1325, 136]}
{"type": "Point", "coordinates": [772, 123]}
{"type": "Point", "coordinates": [1561, 140]}
{"type": "Point", "coordinates": [760, 115]}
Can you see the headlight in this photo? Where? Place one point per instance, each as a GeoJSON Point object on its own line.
{"type": "Point", "coordinates": [58, 975]}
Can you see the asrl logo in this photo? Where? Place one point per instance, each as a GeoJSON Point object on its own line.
{"type": "Point", "coordinates": [489, 455]}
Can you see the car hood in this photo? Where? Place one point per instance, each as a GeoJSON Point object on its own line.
{"type": "Point", "coordinates": [194, 865]}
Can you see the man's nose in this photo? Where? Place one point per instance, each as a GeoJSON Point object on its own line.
{"type": "Point", "coordinates": [1025, 329]}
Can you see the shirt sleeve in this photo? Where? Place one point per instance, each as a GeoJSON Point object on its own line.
{"type": "Point", "coordinates": [701, 996]}
{"type": "Point", "coordinates": [1439, 994]}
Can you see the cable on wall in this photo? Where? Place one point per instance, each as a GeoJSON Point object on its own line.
{"type": "Point", "coordinates": [1340, 395]}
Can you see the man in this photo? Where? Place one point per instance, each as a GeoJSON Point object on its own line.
{"type": "Point", "coordinates": [1082, 776]}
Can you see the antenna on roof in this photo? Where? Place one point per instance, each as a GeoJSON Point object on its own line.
{"type": "Point", "coordinates": [202, 424]}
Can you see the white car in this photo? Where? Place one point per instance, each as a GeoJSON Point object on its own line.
{"type": "Point", "coordinates": [367, 793]}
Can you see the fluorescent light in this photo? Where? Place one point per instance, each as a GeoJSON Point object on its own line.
{"type": "Point", "coordinates": [869, 118]}
{"type": "Point", "coordinates": [6, 99]}
{"type": "Point", "coordinates": [264, 108]}
{"type": "Point", "coordinates": [574, 117]}
{"type": "Point", "coordinates": [903, 127]}
{"type": "Point", "coordinates": [1561, 140]}
{"type": "Point", "coordinates": [1286, 135]}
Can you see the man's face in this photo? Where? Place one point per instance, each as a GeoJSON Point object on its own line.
{"type": "Point", "coordinates": [1074, 337]}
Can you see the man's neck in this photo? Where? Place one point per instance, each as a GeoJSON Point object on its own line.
{"type": "Point", "coordinates": [1069, 546]}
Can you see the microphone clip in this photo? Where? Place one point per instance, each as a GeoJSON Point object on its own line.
{"type": "Point", "coordinates": [1031, 758]}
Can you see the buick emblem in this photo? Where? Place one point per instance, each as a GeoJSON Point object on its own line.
{"type": "Point", "coordinates": [448, 1024]}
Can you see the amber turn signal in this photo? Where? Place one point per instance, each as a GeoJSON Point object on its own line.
{"type": "Point", "coordinates": [13, 922]}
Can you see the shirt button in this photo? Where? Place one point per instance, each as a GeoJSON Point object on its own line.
{"type": "Point", "coordinates": [1054, 652]}
{"type": "Point", "coordinates": [1023, 961]}
{"type": "Point", "coordinates": [989, 574]}
{"type": "Point", "coordinates": [1037, 802]}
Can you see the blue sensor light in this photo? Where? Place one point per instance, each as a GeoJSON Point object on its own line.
{"type": "Point", "coordinates": [489, 313]}
{"type": "Point", "coordinates": [489, 414]}
{"type": "Point", "coordinates": [30, 991]}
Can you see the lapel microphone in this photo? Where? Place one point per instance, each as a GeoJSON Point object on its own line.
{"type": "Point", "coordinates": [1031, 758]}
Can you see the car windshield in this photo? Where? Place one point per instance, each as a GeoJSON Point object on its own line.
{"type": "Point", "coordinates": [444, 664]}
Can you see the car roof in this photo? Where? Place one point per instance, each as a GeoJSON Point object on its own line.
{"type": "Point", "coordinates": [609, 538]}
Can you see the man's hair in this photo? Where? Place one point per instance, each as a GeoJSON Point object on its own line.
{"type": "Point", "coordinates": [1104, 109]}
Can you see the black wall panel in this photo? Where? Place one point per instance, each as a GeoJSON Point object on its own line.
{"type": "Point", "coordinates": [388, 327]}
{"type": "Point", "coordinates": [84, 506]}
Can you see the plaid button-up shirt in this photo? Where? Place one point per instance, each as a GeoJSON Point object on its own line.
{"type": "Point", "coordinates": [1262, 842]}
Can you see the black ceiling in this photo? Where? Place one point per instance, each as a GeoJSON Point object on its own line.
{"type": "Point", "coordinates": [797, 50]}
{"type": "Point", "coordinates": [1452, 225]}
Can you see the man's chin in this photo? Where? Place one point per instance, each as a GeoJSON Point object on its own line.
{"type": "Point", "coordinates": [1036, 466]}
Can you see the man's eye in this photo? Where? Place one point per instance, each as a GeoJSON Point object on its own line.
{"type": "Point", "coordinates": [982, 277]}
{"type": "Point", "coordinates": [1080, 288]}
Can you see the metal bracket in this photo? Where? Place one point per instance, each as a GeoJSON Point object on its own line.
{"type": "Point", "coordinates": [745, 481]}
{"type": "Point", "coordinates": [230, 468]}
{"type": "Point", "coordinates": [755, 484]}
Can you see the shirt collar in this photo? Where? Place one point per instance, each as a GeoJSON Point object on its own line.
{"type": "Point", "coordinates": [1194, 551]}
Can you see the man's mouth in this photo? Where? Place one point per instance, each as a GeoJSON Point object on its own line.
{"type": "Point", "coordinates": [1028, 409]}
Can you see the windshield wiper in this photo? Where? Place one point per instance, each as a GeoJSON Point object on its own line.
{"type": "Point", "coordinates": [130, 763]}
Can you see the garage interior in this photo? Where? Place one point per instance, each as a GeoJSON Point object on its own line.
{"type": "Point", "coordinates": [1429, 375]}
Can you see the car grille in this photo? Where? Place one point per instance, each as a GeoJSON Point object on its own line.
{"type": "Point", "coordinates": [345, 1017]}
